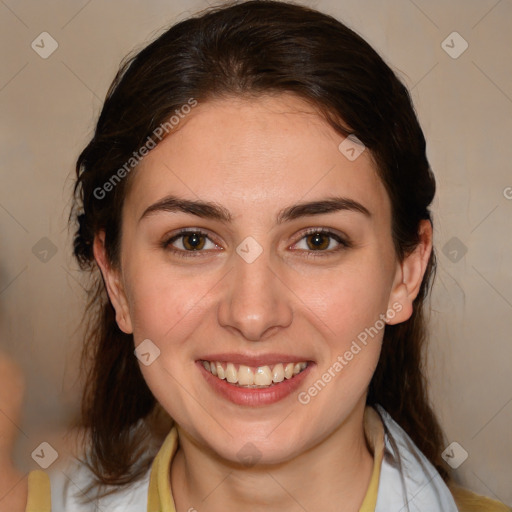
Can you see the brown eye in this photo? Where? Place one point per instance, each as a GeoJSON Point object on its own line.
{"type": "Point", "coordinates": [189, 242]}
{"type": "Point", "coordinates": [321, 242]}
{"type": "Point", "coordinates": [318, 241]}
{"type": "Point", "coordinates": [193, 241]}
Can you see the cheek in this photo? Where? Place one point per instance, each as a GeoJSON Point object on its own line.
{"type": "Point", "coordinates": [349, 318]}
{"type": "Point", "coordinates": [348, 308]}
{"type": "Point", "coordinates": [161, 297]}
{"type": "Point", "coordinates": [347, 300]}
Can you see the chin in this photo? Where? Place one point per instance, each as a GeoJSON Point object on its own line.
{"type": "Point", "coordinates": [250, 450]}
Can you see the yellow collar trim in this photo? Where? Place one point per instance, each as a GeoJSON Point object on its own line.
{"type": "Point", "coordinates": [39, 489]}
{"type": "Point", "coordinates": [374, 432]}
{"type": "Point", "coordinates": [159, 493]}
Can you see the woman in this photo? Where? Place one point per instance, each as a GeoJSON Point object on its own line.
{"type": "Point", "coordinates": [256, 197]}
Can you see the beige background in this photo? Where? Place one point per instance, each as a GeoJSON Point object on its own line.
{"type": "Point", "coordinates": [48, 110]}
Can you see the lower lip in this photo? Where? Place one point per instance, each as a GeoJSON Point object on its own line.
{"type": "Point", "coordinates": [254, 397]}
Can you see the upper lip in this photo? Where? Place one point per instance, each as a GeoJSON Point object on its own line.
{"type": "Point", "coordinates": [254, 360]}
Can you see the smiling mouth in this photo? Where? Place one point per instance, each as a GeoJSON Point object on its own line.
{"type": "Point", "coordinates": [254, 377]}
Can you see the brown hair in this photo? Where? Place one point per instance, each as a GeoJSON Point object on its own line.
{"type": "Point", "coordinates": [249, 48]}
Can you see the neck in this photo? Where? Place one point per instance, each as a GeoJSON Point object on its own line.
{"type": "Point", "coordinates": [332, 476]}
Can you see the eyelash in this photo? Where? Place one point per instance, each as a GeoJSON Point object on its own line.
{"type": "Point", "coordinates": [344, 243]}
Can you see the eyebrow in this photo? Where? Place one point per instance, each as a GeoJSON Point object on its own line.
{"type": "Point", "coordinates": [212, 210]}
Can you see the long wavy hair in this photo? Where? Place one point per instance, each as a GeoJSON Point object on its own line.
{"type": "Point", "coordinates": [246, 49]}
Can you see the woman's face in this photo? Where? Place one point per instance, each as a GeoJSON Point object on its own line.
{"type": "Point", "coordinates": [251, 286]}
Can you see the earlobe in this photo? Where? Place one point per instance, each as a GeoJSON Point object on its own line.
{"type": "Point", "coordinates": [410, 273]}
{"type": "Point", "coordinates": [113, 284]}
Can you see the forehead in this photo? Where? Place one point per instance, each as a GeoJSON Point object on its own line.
{"type": "Point", "coordinates": [255, 153]}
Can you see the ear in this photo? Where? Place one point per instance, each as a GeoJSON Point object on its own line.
{"type": "Point", "coordinates": [409, 276]}
{"type": "Point", "coordinates": [113, 284]}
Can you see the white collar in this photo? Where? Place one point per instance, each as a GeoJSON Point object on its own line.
{"type": "Point", "coordinates": [408, 481]}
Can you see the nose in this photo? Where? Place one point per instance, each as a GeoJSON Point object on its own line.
{"type": "Point", "coordinates": [256, 301]}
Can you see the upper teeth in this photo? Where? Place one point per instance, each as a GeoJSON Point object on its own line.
{"type": "Point", "coordinates": [254, 377]}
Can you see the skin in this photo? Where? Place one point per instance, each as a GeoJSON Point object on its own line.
{"type": "Point", "coordinates": [255, 157]}
{"type": "Point", "coordinates": [13, 483]}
